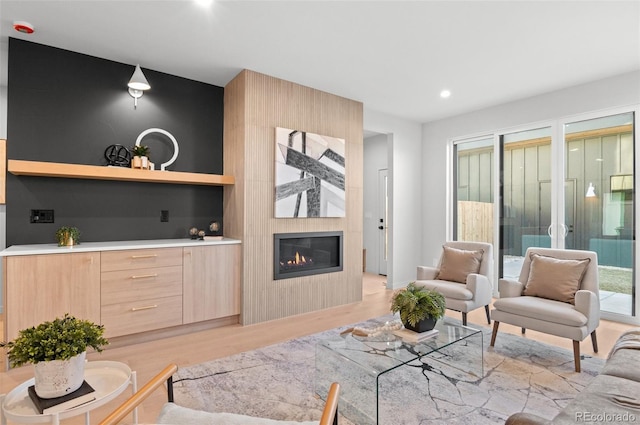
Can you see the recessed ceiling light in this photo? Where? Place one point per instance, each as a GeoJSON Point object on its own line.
{"type": "Point", "coordinates": [203, 3]}
{"type": "Point", "coordinates": [445, 94]}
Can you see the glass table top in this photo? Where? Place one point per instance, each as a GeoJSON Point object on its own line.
{"type": "Point", "coordinates": [387, 351]}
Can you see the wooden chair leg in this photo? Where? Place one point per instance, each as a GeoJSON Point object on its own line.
{"type": "Point", "coordinates": [523, 330]}
{"type": "Point", "coordinates": [486, 310]}
{"type": "Point", "coordinates": [594, 341]}
{"type": "Point", "coordinates": [576, 354]}
{"type": "Point", "coordinates": [464, 319]}
{"type": "Point", "coordinates": [495, 332]}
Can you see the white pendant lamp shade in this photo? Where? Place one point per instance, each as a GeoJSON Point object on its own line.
{"type": "Point", "coordinates": [138, 80]}
{"type": "Point", "coordinates": [137, 84]}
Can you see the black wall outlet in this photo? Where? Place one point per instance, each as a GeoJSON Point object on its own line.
{"type": "Point", "coordinates": [42, 216]}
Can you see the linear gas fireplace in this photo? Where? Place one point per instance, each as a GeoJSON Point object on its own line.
{"type": "Point", "coordinates": [303, 254]}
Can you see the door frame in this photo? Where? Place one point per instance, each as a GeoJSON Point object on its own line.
{"type": "Point", "coordinates": [634, 318]}
{"type": "Point", "coordinates": [383, 220]}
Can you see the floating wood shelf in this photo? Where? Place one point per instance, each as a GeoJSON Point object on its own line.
{"type": "Point", "coordinates": [95, 172]}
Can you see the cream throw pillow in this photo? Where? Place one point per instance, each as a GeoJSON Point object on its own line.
{"type": "Point", "coordinates": [456, 264]}
{"type": "Point", "coordinates": [555, 279]}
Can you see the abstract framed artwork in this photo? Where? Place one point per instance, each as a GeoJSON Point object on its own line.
{"type": "Point", "coordinates": [310, 175]}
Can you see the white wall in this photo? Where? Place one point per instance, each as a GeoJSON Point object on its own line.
{"type": "Point", "coordinates": [404, 185]}
{"type": "Point", "coordinates": [612, 92]}
{"type": "Point", "coordinates": [375, 159]}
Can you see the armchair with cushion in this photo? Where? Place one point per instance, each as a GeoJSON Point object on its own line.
{"type": "Point", "coordinates": [557, 293]}
{"type": "Point", "coordinates": [463, 276]}
{"type": "Point", "coordinates": [173, 414]}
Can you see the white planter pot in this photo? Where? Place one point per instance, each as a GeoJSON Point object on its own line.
{"type": "Point", "coordinates": [56, 378]}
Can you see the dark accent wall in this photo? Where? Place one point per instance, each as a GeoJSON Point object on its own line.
{"type": "Point", "coordinates": [68, 107]}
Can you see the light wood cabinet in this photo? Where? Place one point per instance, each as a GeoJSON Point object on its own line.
{"type": "Point", "coordinates": [141, 315]}
{"type": "Point", "coordinates": [127, 290]}
{"type": "Point", "coordinates": [211, 282]}
{"type": "Point", "coordinates": [130, 259]}
{"type": "Point", "coordinates": [141, 290]}
{"type": "Point", "coordinates": [140, 284]}
{"type": "Point", "coordinates": [43, 287]}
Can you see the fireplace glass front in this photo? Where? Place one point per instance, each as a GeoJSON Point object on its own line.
{"type": "Point", "coordinates": [303, 254]}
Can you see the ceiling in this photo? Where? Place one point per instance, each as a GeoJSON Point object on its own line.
{"type": "Point", "coordinates": [394, 56]}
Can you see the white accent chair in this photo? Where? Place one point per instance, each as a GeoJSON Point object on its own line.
{"type": "Point", "coordinates": [472, 290]}
{"type": "Point", "coordinates": [545, 311]}
{"type": "Point", "coordinates": [178, 415]}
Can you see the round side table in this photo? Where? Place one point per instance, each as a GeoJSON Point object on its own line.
{"type": "Point", "coordinates": [109, 379]}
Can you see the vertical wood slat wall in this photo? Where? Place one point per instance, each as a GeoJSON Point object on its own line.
{"type": "Point", "coordinates": [255, 104]}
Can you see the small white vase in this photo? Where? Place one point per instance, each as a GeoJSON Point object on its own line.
{"type": "Point", "coordinates": [55, 378]}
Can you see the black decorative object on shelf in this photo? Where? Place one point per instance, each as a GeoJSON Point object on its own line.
{"type": "Point", "coordinates": [118, 156]}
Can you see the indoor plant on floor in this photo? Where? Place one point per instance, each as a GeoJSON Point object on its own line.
{"type": "Point", "coordinates": [419, 307]}
{"type": "Point", "coordinates": [57, 350]}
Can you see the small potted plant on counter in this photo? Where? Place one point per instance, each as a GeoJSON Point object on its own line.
{"type": "Point", "coordinates": [57, 350]}
{"type": "Point", "coordinates": [68, 236]}
{"type": "Point", "coordinates": [419, 307]}
{"type": "Point", "coordinates": [140, 157]}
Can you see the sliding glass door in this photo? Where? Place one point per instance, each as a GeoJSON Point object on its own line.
{"type": "Point", "coordinates": [474, 189]}
{"type": "Point", "coordinates": [526, 213]}
{"type": "Point", "coordinates": [600, 160]}
{"type": "Point", "coordinates": [571, 186]}
{"type": "Point", "coordinates": [567, 184]}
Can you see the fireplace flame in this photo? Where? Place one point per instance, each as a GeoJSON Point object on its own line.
{"type": "Point", "coordinates": [297, 260]}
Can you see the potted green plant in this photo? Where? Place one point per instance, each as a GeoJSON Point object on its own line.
{"type": "Point", "coordinates": [419, 307]}
{"type": "Point", "coordinates": [57, 349]}
{"type": "Point", "coordinates": [68, 236]}
{"type": "Point", "coordinates": [140, 156]}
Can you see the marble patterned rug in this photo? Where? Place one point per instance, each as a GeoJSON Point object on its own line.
{"type": "Point", "coordinates": [277, 382]}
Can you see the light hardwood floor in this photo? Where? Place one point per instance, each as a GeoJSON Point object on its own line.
{"type": "Point", "coordinates": [148, 358]}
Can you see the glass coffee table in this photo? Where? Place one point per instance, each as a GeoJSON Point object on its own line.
{"type": "Point", "coordinates": [378, 375]}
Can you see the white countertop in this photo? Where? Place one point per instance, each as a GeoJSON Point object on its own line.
{"type": "Point", "coordinates": [110, 246]}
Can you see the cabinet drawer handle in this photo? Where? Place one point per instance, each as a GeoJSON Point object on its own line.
{"type": "Point", "coordinates": [146, 307]}
{"type": "Point", "coordinates": [136, 257]}
{"type": "Point", "coordinates": [144, 276]}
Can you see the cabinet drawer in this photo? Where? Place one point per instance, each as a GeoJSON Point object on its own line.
{"type": "Point", "coordinates": [140, 259]}
{"type": "Point", "coordinates": [141, 316]}
{"type": "Point", "coordinates": [139, 284]}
